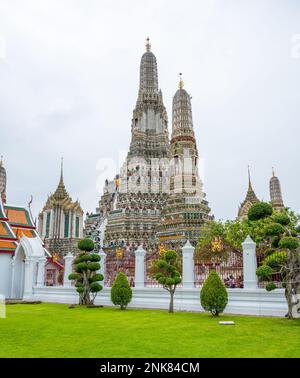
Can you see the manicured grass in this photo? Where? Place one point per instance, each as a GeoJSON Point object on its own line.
{"type": "Point", "coordinates": [54, 330]}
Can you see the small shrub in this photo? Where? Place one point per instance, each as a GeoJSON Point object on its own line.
{"type": "Point", "coordinates": [289, 242]}
{"type": "Point", "coordinates": [213, 295]}
{"type": "Point", "coordinates": [259, 210]}
{"type": "Point", "coordinates": [274, 229]}
{"type": "Point", "coordinates": [264, 272]}
{"type": "Point", "coordinates": [276, 260]}
{"type": "Point", "coordinates": [121, 292]}
{"type": "Point", "coordinates": [282, 218]}
{"type": "Point", "coordinates": [270, 286]}
{"type": "Point", "coordinates": [86, 245]}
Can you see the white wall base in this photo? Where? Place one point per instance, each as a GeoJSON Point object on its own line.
{"type": "Point", "coordinates": [241, 301]}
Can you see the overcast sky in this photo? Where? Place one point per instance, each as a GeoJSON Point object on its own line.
{"type": "Point", "coordinates": [69, 74]}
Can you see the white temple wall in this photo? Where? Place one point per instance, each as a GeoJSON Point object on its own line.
{"type": "Point", "coordinates": [5, 274]}
{"type": "Point", "coordinates": [241, 301]}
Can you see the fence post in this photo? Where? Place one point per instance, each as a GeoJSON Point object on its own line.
{"type": "Point", "coordinates": [188, 266]}
{"type": "Point", "coordinates": [140, 267]}
{"type": "Point", "coordinates": [249, 263]}
{"type": "Point", "coordinates": [41, 271]}
{"type": "Point", "coordinates": [68, 269]}
{"type": "Point", "coordinates": [102, 266]}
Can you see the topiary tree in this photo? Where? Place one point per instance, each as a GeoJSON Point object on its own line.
{"type": "Point", "coordinates": [260, 210]}
{"type": "Point", "coordinates": [86, 277]}
{"type": "Point", "coordinates": [166, 271]}
{"type": "Point", "coordinates": [121, 292]}
{"type": "Point", "coordinates": [213, 295]}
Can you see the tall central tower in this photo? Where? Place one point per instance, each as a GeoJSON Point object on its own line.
{"type": "Point", "coordinates": [133, 209]}
{"type": "Point", "coordinates": [149, 126]}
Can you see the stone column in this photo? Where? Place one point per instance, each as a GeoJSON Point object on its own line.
{"type": "Point", "coordinates": [188, 266]}
{"type": "Point", "coordinates": [41, 271]}
{"type": "Point", "coordinates": [140, 267]}
{"type": "Point", "coordinates": [249, 263]}
{"type": "Point", "coordinates": [102, 266]}
{"type": "Point", "coordinates": [68, 269]}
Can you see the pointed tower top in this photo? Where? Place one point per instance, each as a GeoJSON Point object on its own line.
{"type": "Point", "coordinates": [62, 170]}
{"type": "Point", "coordinates": [61, 192]}
{"type": "Point", "coordinates": [181, 83]}
{"type": "Point", "coordinates": [1, 161]}
{"type": "Point", "coordinates": [148, 45]}
{"type": "Point", "coordinates": [273, 172]}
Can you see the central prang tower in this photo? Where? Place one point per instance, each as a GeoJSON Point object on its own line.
{"type": "Point", "coordinates": [132, 204]}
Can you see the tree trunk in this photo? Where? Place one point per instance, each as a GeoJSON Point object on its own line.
{"type": "Point", "coordinates": [292, 290]}
{"type": "Point", "coordinates": [171, 306]}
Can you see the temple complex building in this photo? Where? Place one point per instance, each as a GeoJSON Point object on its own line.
{"type": "Point", "coordinates": [61, 222]}
{"type": "Point", "coordinates": [250, 199]}
{"type": "Point", "coordinates": [186, 208]}
{"type": "Point", "coordinates": [137, 205]}
{"type": "Point", "coordinates": [275, 193]}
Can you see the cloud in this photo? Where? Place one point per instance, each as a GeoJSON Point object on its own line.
{"type": "Point", "coordinates": [69, 78]}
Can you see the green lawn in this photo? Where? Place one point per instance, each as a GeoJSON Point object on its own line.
{"type": "Point", "coordinates": [54, 330]}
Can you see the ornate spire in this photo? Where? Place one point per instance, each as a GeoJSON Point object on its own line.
{"type": "Point", "coordinates": [1, 161]}
{"type": "Point", "coordinates": [250, 199]}
{"type": "Point", "coordinates": [182, 112]}
{"type": "Point", "coordinates": [148, 72]}
{"type": "Point", "coordinates": [275, 192]}
{"type": "Point", "coordinates": [61, 192]}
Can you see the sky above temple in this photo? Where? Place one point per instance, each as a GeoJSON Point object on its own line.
{"type": "Point", "coordinates": [69, 75]}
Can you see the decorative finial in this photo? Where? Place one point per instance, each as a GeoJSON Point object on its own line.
{"type": "Point", "coordinates": [62, 169]}
{"type": "Point", "coordinates": [181, 83]}
{"type": "Point", "coordinates": [249, 176]}
{"type": "Point", "coordinates": [273, 171]}
{"type": "Point", "coordinates": [1, 161]}
{"type": "Point", "coordinates": [148, 45]}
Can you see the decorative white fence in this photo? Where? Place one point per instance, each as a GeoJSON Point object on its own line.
{"type": "Point", "coordinates": [250, 300]}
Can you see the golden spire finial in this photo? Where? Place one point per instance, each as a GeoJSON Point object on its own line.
{"type": "Point", "coordinates": [148, 45]}
{"type": "Point", "coordinates": [181, 83]}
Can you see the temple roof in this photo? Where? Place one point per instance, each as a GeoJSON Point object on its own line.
{"type": "Point", "coordinates": [250, 199]}
{"type": "Point", "coordinates": [61, 197]}
{"type": "Point", "coordinates": [16, 223]}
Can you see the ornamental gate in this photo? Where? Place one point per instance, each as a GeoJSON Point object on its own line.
{"type": "Point", "coordinates": [119, 260]}
{"type": "Point", "coordinates": [228, 267]}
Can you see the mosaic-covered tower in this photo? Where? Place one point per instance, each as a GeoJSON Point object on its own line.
{"type": "Point", "coordinates": [275, 192]}
{"type": "Point", "coordinates": [142, 187]}
{"type": "Point", "coordinates": [186, 209]}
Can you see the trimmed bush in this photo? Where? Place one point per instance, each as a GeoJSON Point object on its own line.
{"type": "Point", "coordinates": [264, 272]}
{"type": "Point", "coordinates": [289, 242]}
{"type": "Point", "coordinates": [276, 260]}
{"type": "Point", "coordinates": [213, 295]}
{"type": "Point", "coordinates": [270, 286]}
{"type": "Point", "coordinates": [121, 292]}
{"type": "Point", "coordinates": [86, 244]}
{"type": "Point", "coordinates": [282, 218]}
{"type": "Point", "coordinates": [274, 229]}
{"type": "Point", "coordinates": [259, 210]}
